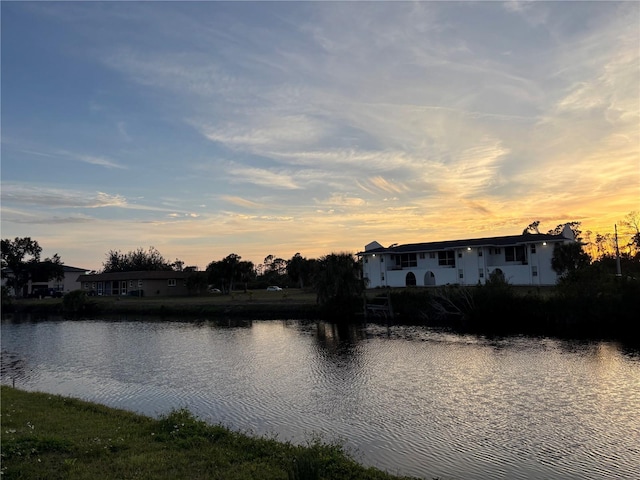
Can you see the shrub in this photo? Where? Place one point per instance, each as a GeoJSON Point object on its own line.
{"type": "Point", "coordinates": [7, 301]}
{"type": "Point", "coordinates": [77, 302]}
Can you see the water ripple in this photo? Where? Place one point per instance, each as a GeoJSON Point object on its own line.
{"type": "Point", "coordinates": [409, 400]}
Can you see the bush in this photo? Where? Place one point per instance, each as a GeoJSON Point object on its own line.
{"type": "Point", "coordinates": [77, 302]}
{"type": "Point", "coordinates": [7, 301]}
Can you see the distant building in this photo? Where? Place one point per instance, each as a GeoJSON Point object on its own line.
{"type": "Point", "coordinates": [142, 283]}
{"type": "Point", "coordinates": [522, 259]}
{"type": "Point", "coordinates": [64, 285]}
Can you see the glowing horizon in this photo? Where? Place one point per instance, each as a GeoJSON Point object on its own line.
{"type": "Point", "coordinates": [205, 129]}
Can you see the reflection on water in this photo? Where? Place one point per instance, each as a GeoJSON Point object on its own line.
{"type": "Point", "coordinates": [407, 399]}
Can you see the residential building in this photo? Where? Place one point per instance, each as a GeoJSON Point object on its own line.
{"type": "Point", "coordinates": [522, 259]}
{"type": "Point", "coordinates": [142, 283]}
{"type": "Point", "coordinates": [66, 284]}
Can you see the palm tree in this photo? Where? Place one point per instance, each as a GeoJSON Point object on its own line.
{"type": "Point", "coordinates": [338, 282]}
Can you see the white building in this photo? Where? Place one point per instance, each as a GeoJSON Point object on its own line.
{"type": "Point", "coordinates": [522, 259]}
{"type": "Point", "coordinates": [66, 284]}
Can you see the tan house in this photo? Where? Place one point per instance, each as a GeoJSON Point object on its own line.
{"type": "Point", "coordinates": [145, 283]}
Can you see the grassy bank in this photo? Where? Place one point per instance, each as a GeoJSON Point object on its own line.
{"type": "Point", "coordinates": [51, 437]}
{"type": "Point", "coordinates": [290, 303]}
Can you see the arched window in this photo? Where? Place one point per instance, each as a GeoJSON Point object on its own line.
{"type": "Point", "coordinates": [429, 279]}
{"type": "Point", "coordinates": [410, 280]}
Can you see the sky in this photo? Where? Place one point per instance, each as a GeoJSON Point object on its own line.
{"type": "Point", "coordinates": [274, 128]}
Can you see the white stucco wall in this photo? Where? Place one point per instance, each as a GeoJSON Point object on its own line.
{"type": "Point", "coordinates": [381, 269]}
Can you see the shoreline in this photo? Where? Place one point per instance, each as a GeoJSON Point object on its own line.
{"type": "Point", "coordinates": [503, 311]}
{"type": "Point", "coordinates": [57, 437]}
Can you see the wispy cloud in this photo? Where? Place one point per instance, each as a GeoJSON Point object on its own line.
{"type": "Point", "coordinates": [263, 177]}
{"type": "Point", "coordinates": [62, 155]}
{"type": "Point", "coordinates": [241, 202]}
{"type": "Point", "coordinates": [26, 217]}
{"type": "Point", "coordinates": [58, 198]}
{"type": "Point", "coordinates": [419, 121]}
{"type": "Point", "coordinates": [375, 184]}
{"type": "Point", "coordinates": [341, 200]}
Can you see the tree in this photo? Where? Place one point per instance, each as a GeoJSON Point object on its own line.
{"type": "Point", "coordinates": [631, 223]}
{"type": "Point", "coordinates": [299, 269]}
{"type": "Point", "coordinates": [178, 265]}
{"type": "Point", "coordinates": [21, 264]}
{"type": "Point", "coordinates": [136, 260]}
{"type": "Point", "coordinates": [48, 269]}
{"type": "Point", "coordinates": [246, 272]}
{"type": "Point", "coordinates": [569, 258]}
{"type": "Point", "coordinates": [337, 280]}
{"type": "Point", "coordinates": [574, 226]}
{"type": "Point", "coordinates": [274, 270]}
{"type": "Point", "coordinates": [197, 282]}
{"type": "Point", "coordinates": [532, 228]}
{"type": "Point", "coordinates": [228, 271]}
{"type": "Point", "coordinates": [215, 275]}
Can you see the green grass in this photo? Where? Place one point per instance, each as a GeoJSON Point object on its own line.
{"type": "Point", "coordinates": [52, 437]}
{"type": "Point", "coordinates": [289, 303]}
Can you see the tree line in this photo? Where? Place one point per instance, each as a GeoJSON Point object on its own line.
{"type": "Point", "coordinates": [336, 278]}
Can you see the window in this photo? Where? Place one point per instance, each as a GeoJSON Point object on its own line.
{"type": "Point", "coordinates": [366, 259]}
{"type": "Point", "coordinates": [86, 285]}
{"type": "Point", "coordinates": [533, 248]}
{"type": "Point", "coordinates": [422, 256]}
{"type": "Point", "coordinates": [382, 276]}
{"type": "Point", "coordinates": [534, 271]}
{"type": "Point", "coordinates": [406, 260]}
{"type": "Point", "coordinates": [514, 254]}
{"type": "Point", "coordinates": [481, 273]}
{"type": "Point", "coordinates": [460, 273]}
{"type": "Point", "coordinates": [479, 252]}
{"type": "Point", "coordinates": [139, 283]}
{"type": "Point", "coordinates": [459, 254]}
{"type": "Point", "coordinates": [432, 255]}
{"type": "Point", "coordinates": [446, 259]}
{"type": "Point", "coordinates": [171, 282]}
{"type": "Point", "coordinates": [130, 283]}
{"type": "Point", "coordinates": [381, 259]}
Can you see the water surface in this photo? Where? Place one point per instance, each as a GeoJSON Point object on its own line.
{"type": "Point", "coordinates": [405, 399]}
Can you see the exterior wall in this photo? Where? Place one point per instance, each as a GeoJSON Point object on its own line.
{"type": "Point", "coordinates": [67, 284]}
{"type": "Point", "coordinates": [471, 266]}
{"type": "Point", "coordinates": [130, 286]}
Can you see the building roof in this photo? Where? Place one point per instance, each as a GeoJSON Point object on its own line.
{"type": "Point", "coordinates": [472, 242]}
{"type": "Point", "coordinates": [138, 275]}
{"type": "Point", "coordinates": [65, 269]}
{"type": "Point", "coordinates": [69, 269]}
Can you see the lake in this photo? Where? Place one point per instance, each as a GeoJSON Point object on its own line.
{"type": "Point", "coordinates": [409, 400]}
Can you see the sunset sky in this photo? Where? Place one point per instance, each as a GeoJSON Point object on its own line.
{"type": "Point", "coordinates": [205, 129]}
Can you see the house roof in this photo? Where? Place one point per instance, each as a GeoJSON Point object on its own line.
{"type": "Point", "coordinates": [472, 242]}
{"type": "Point", "coordinates": [138, 275]}
{"type": "Point", "coordinates": [65, 269]}
{"type": "Point", "coordinates": [69, 269]}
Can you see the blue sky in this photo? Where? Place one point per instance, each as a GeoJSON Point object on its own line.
{"type": "Point", "coordinates": [211, 128]}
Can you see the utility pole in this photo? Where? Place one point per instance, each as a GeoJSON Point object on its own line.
{"type": "Point", "coordinates": [618, 270]}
